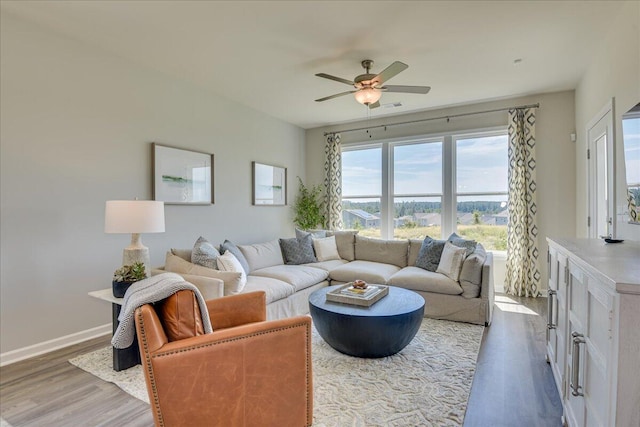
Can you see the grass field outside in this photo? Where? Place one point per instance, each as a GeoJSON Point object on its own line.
{"type": "Point", "coordinates": [492, 237]}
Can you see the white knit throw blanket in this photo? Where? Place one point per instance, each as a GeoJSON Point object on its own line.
{"type": "Point", "coordinates": [147, 291]}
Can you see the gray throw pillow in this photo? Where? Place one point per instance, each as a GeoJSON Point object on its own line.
{"type": "Point", "coordinates": [430, 253]}
{"type": "Point", "coordinates": [229, 246]}
{"type": "Point", "coordinates": [469, 245]}
{"type": "Point", "coordinates": [204, 254]}
{"type": "Point", "coordinates": [316, 234]}
{"type": "Point", "coordinates": [298, 251]}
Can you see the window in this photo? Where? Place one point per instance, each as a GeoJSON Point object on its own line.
{"type": "Point", "coordinates": [481, 189]}
{"type": "Point", "coordinates": [417, 189]}
{"type": "Point", "coordinates": [362, 190]}
{"type": "Point", "coordinates": [431, 186]}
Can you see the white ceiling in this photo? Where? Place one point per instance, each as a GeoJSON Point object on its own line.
{"type": "Point", "coordinates": [264, 54]}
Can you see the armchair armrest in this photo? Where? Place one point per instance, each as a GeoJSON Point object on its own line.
{"type": "Point", "coordinates": [238, 376]}
{"type": "Point", "coordinates": [235, 310]}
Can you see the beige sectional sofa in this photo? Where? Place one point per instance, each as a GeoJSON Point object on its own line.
{"type": "Point", "coordinates": [389, 262]}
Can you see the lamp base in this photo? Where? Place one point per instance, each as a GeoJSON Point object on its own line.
{"type": "Point", "coordinates": [131, 256]}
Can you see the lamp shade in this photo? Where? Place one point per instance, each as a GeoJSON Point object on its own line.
{"type": "Point", "coordinates": [368, 95]}
{"type": "Point", "coordinates": [134, 216]}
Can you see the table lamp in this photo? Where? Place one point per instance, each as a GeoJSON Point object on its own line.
{"type": "Point", "coordinates": [135, 217]}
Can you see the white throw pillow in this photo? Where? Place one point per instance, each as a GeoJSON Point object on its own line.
{"type": "Point", "coordinates": [229, 262]}
{"type": "Point", "coordinates": [451, 261]}
{"type": "Point", "coordinates": [326, 248]}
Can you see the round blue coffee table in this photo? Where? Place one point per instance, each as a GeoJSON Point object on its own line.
{"type": "Point", "coordinates": [380, 330]}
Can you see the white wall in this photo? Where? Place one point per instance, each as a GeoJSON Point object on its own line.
{"type": "Point", "coordinates": [614, 72]}
{"type": "Point", "coordinates": [555, 121]}
{"type": "Point", "coordinates": [76, 130]}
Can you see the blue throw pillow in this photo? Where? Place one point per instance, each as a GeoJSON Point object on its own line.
{"type": "Point", "coordinates": [430, 253]}
{"type": "Point", "coordinates": [229, 246]}
{"type": "Point", "coordinates": [204, 254]}
{"type": "Point", "coordinates": [298, 250]}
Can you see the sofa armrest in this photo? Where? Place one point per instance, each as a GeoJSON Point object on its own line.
{"type": "Point", "coordinates": [224, 378]}
{"type": "Point", "coordinates": [209, 287]}
{"type": "Point", "coordinates": [487, 292]}
{"type": "Point", "coordinates": [235, 310]}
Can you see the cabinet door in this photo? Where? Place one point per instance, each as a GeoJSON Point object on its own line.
{"type": "Point", "coordinates": [562, 323]}
{"type": "Point", "coordinates": [577, 304]}
{"type": "Point", "coordinates": [552, 307]}
{"type": "Point", "coordinates": [556, 316]}
{"type": "Point", "coordinates": [599, 353]}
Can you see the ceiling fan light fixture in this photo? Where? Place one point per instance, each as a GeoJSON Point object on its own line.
{"type": "Point", "coordinates": [368, 95]}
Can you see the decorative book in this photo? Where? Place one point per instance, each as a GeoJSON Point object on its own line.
{"type": "Point", "coordinates": [344, 295]}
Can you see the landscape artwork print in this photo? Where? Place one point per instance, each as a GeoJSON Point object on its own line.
{"type": "Point", "coordinates": [269, 185]}
{"type": "Point", "coordinates": [182, 176]}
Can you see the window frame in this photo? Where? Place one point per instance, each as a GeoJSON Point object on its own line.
{"type": "Point", "coordinates": [449, 174]}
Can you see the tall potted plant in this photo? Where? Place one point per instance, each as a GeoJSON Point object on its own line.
{"type": "Point", "coordinates": [308, 207]}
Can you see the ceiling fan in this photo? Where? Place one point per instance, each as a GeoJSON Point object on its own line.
{"type": "Point", "coordinates": [369, 87]}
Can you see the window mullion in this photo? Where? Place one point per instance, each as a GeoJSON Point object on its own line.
{"type": "Point", "coordinates": [386, 203]}
{"type": "Point", "coordinates": [448, 186]}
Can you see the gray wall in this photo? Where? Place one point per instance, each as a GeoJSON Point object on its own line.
{"type": "Point", "coordinates": [614, 73]}
{"type": "Point", "coordinates": [555, 122]}
{"type": "Point", "coordinates": [76, 126]}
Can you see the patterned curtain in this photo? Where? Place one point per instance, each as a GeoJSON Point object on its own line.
{"type": "Point", "coordinates": [523, 270]}
{"type": "Point", "coordinates": [333, 182]}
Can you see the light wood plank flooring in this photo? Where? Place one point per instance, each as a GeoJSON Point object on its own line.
{"type": "Point", "coordinates": [513, 385]}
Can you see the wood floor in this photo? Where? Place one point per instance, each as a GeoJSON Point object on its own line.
{"type": "Point", "coordinates": [513, 385]}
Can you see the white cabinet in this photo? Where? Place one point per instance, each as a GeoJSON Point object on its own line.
{"type": "Point", "coordinates": [557, 315]}
{"type": "Point", "coordinates": [594, 322]}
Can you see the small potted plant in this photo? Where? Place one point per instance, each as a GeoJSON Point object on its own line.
{"type": "Point", "coordinates": [125, 276]}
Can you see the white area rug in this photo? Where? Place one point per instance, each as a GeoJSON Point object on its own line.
{"type": "Point", "coordinates": [426, 384]}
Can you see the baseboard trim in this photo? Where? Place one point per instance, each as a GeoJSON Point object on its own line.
{"type": "Point", "coordinates": [23, 353]}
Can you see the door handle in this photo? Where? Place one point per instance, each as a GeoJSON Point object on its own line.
{"type": "Point", "coordinates": [550, 295]}
{"type": "Point", "coordinates": [576, 388]}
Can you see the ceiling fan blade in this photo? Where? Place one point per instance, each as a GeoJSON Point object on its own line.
{"type": "Point", "coordinates": [389, 72]}
{"type": "Point", "coordinates": [374, 105]}
{"type": "Point", "coordinates": [406, 89]}
{"type": "Point", "coordinates": [335, 96]}
{"type": "Point", "coordinates": [338, 79]}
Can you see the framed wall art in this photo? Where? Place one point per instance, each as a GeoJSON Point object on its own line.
{"type": "Point", "coordinates": [182, 177]}
{"type": "Point", "coordinates": [269, 185]}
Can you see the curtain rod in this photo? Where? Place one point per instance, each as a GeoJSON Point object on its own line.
{"type": "Point", "coordinates": [434, 118]}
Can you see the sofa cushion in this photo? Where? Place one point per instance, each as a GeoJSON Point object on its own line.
{"type": "Point", "coordinates": [414, 250]}
{"type": "Point", "coordinates": [298, 276]}
{"type": "Point", "coordinates": [297, 251]}
{"type": "Point", "coordinates": [430, 252]}
{"type": "Point", "coordinates": [231, 247]}
{"type": "Point", "coordinates": [328, 265]}
{"type": "Point", "coordinates": [471, 274]}
{"type": "Point", "coordinates": [261, 255]}
{"type": "Point", "coordinates": [345, 240]}
{"type": "Point", "coordinates": [274, 289]}
{"type": "Point", "coordinates": [385, 251]}
{"type": "Point", "coordinates": [419, 279]}
{"type": "Point", "coordinates": [451, 261]}
{"type": "Point", "coordinates": [232, 280]}
{"type": "Point", "coordinates": [326, 248]}
{"type": "Point", "coordinates": [369, 271]}
{"type": "Point", "coordinates": [229, 263]}
{"type": "Point", "coordinates": [204, 253]}
{"type": "Point", "coordinates": [469, 245]}
{"type": "Point", "coordinates": [185, 254]}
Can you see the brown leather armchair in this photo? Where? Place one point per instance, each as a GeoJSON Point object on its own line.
{"type": "Point", "coordinates": [248, 372]}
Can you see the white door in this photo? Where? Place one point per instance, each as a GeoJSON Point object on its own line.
{"type": "Point", "coordinates": [600, 160]}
